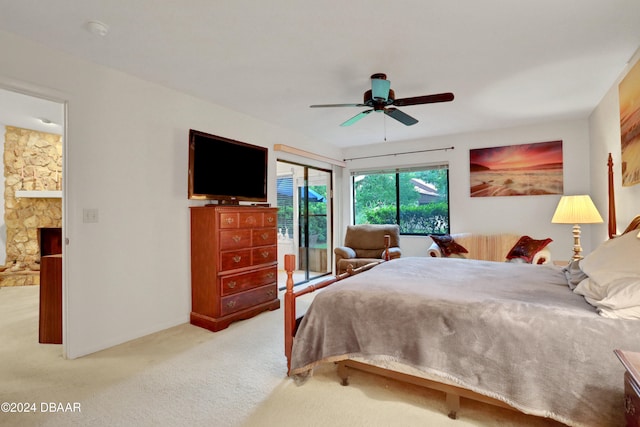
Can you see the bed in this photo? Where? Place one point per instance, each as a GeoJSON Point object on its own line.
{"type": "Point", "coordinates": [538, 339]}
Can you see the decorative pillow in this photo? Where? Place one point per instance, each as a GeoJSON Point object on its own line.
{"type": "Point", "coordinates": [448, 246]}
{"type": "Point", "coordinates": [526, 248]}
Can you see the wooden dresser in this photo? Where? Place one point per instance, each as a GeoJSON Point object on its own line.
{"type": "Point", "coordinates": [234, 264]}
{"type": "Point", "coordinates": [631, 362]}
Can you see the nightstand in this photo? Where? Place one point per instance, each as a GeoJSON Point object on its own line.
{"type": "Point", "coordinates": [631, 362]}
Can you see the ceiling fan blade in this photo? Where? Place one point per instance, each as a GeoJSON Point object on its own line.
{"type": "Point", "coordinates": [400, 116]}
{"type": "Point", "coordinates": [380, 89]}
{"type": "Point", "coordinates": [336, 105]}
{"type": "Point", "coordinates": [426, 99]}
{"type": "Point", "coordinates": [355, 118]}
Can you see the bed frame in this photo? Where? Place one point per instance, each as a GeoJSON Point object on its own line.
{"type": "Point", "coordinates": [452, 393]}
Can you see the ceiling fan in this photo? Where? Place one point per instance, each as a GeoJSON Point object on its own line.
{"type": "Point", "coordinates": [382, 98]}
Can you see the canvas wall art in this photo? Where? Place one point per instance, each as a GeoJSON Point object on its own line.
{"type": "Point", "coordinates": [517, 170]}
{"type": "Point", "coordinates": [629, 95]}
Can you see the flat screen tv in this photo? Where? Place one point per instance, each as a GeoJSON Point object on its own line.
{"type": "Point", "coordinates": [225, 170]}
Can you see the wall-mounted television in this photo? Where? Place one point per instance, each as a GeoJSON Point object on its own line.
{"type": "Point", "coordinates": [226, 170]}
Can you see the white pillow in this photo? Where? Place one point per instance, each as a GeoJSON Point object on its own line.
{"type": "Point", "coordinates": [622, 313]}
{"type": "Point", "coordinates": [621, 293]}
{"type": "Point", "coordinates": [614, 259]}
{"type": "Point", "coordinates": [613, 283]}
{"type": "Point", "coordinates": [590, 290]}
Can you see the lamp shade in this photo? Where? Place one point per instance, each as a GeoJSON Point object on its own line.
{"type": "Point", "coordinates": [576, 210]}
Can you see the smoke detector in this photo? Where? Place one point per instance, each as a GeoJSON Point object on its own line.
{"type": "Point", "coordinates": [98, 28]}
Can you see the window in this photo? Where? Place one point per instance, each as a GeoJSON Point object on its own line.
{"type": "Point", "coordinates": [417, 199]}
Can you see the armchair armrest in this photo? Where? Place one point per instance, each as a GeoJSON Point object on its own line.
{"type": "Point", "coordinates": [344, 252]}
{"type": "Point", "coordinates": [394, 252]}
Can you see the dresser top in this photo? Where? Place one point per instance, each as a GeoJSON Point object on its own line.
{"type": "Point", "coordinates": [631, 362]}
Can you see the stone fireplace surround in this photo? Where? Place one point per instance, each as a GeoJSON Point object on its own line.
{"type": "Point", "coordinates": [32, 161]}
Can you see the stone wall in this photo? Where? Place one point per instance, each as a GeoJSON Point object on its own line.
{"type": "Point", "coordinates": [32, 161]}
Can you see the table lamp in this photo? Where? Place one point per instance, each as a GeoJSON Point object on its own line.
{"type": "Point", "coordinates": [576, 210]}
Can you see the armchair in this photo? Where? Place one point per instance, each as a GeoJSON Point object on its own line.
{"type": "Point", "coordinates": [364, 244]}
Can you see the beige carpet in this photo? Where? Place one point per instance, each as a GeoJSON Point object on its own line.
{"type": "Point", "coordinates": [187, 376]}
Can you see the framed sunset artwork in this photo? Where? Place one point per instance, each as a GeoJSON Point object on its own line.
{"type": "Point", "coordinates": [629, 95]}
{"type": "Point", "coordinates": [517, 170]}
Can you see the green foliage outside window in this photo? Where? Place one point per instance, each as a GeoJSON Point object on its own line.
{"type": "Point", "coordinates": [392, 198]}
{"type": "Point", "coordinates": [317, 216]}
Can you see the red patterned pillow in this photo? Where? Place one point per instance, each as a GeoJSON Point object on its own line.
{"type": "Point", "coordinates": [447, 245]}
{"type": "Point", "coordinates": [526, 248]}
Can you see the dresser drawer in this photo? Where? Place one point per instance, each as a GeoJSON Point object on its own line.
{"type": "Point", "coordinates": [230, 260]}
{"type": "Point", "coordinates": [229, 219]}
{"type": "Point", "coordinates": [242, 300]}
{"type": "Point", "coordinates": [241, 282]}
{"type": "Point", "coordinates": [234, 239]}
{"type": "Point", "coordinates": [250, 219]}
{"type": "Point", "coordinates": [264, 254]}
{"type": "Point", "coordinates": [264, 236]}
{"type": "Point", "coordinates": [270, 219]}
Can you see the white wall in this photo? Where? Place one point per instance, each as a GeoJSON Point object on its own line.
{"type": "Point", "coordinates": [605, 138]}
{"type": "Point", "coordinates": [126, 155]}
{"type": "Point", "coordinates": [529, 215]}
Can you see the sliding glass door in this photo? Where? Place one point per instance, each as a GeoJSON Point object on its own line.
{"type": "Point", "coordinates": [304, 219]}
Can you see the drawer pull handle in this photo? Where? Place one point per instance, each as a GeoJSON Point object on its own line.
{"type": "Point", "coordinates": [236, 238]}
{"type": "Point", "coordinates": [237, 258]}
{"type": "Point", "coordinates": [271, 293]}
{"type": "Point", "coordinates": [270, 275]}
{"type": "Point", "coordinates": [265, 254]}
{"type": "Point", "coordinates": [231, 285]}
{"type": "Point", "coordinates": [264, 236]}
{"type": "Point", "coordinates": [231, 304]}
{"type": "Point", "coordinates": [270, 219]}
{"type": "Point", "coordinates": [251, 220]}
{"type": "Point", "coordinates": [229, 220]}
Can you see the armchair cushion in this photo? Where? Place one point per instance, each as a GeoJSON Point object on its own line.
{"type": "Point", "coordinates": [364, 244]}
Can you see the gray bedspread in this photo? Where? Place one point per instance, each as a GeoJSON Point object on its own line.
{"type": "Point", "coordinates": [514, 332]}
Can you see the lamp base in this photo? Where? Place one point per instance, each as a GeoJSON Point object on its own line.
{"type": "Point", "coordinates": [577, 249]}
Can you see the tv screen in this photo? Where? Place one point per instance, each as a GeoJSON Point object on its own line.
{"type": "Point", "coordinates": [226, 170]}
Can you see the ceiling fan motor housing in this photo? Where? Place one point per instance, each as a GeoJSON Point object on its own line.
{"type": "Point", "coordinates": [378, 104]}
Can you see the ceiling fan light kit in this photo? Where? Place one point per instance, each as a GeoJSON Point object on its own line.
{"type": "Point", "coordinates": [381, 98]}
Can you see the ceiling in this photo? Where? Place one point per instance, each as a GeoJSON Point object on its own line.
{"type": "Point", "coordinates": [508, 63]}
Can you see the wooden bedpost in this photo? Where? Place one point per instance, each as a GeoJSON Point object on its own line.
{"type": "Point", "coordinates": [612, 201]}
{"type": "Point", "coordinates": [387, 243]}
{"type": "Point", "coordinates": [289, 308]}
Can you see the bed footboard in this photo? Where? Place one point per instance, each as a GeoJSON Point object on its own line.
{"type": "Point", "coordinates": [290, 316]}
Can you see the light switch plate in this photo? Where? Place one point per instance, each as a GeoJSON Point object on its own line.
{"type": "Point", "coordinates": [89, 215]}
